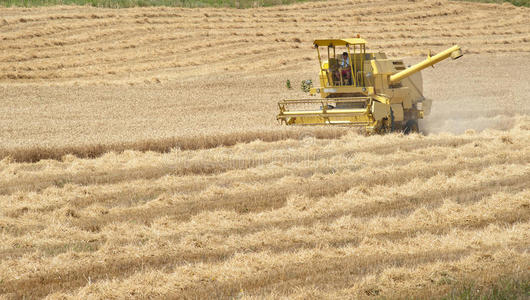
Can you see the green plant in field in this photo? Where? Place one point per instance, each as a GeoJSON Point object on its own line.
{"type": "Point", "coordinates": [306, 85]}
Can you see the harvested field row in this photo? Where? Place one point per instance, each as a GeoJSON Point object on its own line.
{"type": "Point", "coordinates": [139, 41]}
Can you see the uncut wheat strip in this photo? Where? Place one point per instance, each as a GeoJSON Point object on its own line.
{"type": "Point", "coordinates": [53, 237]}
{"type": "Point", "coordinates": [62, 180]}
{"type": "Point", "coordinates": [145, 168]}
{"type": "Point", "coordinates": [16, 171]}
{"type": "Point", "coordinates": [256, 270]}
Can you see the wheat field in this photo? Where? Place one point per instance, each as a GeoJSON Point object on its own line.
{"type": "Point", "coordinates": [140, 156]}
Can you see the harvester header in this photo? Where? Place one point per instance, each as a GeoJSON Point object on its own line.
{"type": "Point", "coordinates": [363, 89]}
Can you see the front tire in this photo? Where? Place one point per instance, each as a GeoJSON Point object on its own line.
{"type": "Point", "coordinates": [411, 127]}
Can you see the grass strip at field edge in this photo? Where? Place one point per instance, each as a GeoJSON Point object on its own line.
{"type": "Point", "coordinates": [240, 4]}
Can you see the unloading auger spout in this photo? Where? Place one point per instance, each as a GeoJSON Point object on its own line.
{"type": "Point", "coordinates": [454, 52]}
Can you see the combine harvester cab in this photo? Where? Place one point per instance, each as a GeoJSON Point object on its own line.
{"type": "Point", "coordinates": [365, 90]}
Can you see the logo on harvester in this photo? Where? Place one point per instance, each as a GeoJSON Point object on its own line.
{"type": "Point", "coordinates": [300, 151]}
{"type": "Point", "coordinates": [307, 139]}
{"type": "Point", "coordinates": [303, 140]}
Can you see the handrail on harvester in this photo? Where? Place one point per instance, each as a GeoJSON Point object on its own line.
{"type": "Point", "coordinates": [324, 111]}
{"type": "Point", "coordinates": [453, 52]}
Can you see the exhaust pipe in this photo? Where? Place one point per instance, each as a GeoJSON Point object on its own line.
{"type": "Point", "coordinates": [456, 54]}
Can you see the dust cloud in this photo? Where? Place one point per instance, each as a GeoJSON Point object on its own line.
{"type": "Point", "coordinates": [446, 118]}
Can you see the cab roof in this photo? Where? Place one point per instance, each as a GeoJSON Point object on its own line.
{"type": "Point", "coordinates": [340, 42]}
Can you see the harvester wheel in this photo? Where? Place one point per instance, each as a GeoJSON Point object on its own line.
{"type": "Point", "coordinates": [411, 127]}
{"type": "Point", "coordinates": [391, 120]}
{"type": "Point", "coordinates": [394, 126]}
{"type": "Point", "coordinates": [386, 126]}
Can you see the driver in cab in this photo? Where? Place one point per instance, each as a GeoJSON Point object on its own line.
{"type": "Point", "coordinates": [345, 67]}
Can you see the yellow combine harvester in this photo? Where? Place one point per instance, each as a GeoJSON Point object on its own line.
{"type": "Point", "coordinates": [361, 89]}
